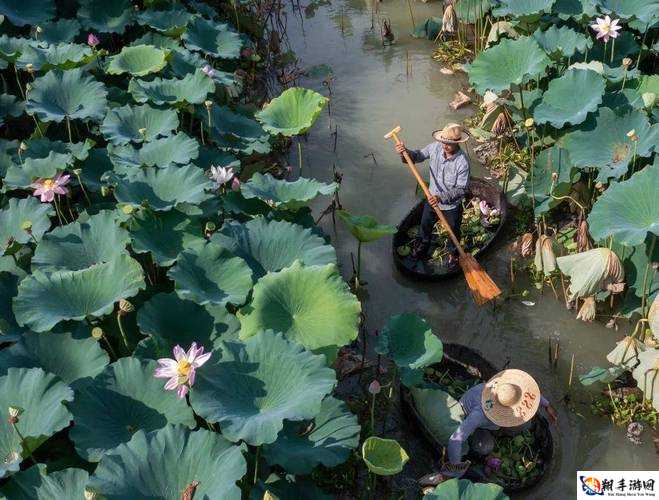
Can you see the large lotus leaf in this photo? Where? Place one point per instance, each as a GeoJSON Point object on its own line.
{"type": "Point", "coordinates": [163, 188]}
{"type": "Point", "coordinates": [104, 16]}
{"type": "Point", "coordinates": [40, 395]}
{"type": "Point", "coordinates": [93, 169]}
{"type": "Point", "coordinates": [540, 184]}
{"type": "Point", "coordinates": [570, 98]}
{"type": "Point", "coordinates": [605, 144]}
{"type": "Point", "coordinates": [60, 31]}
{"type": "Point", "coordinates": [166, 21]}
{"type": "Point", "coordinates": [178, 148]}
{"type": "Point", "coordinates": [240, 145]}
{"type": "Point", "coordinates": [69, 357]}
{"type": "Point", "coordinates": [159, 41]}
{"type": "Point", "coordinates": [21, 176]}
{"type": "Point", "coordinates": [468, 11]}
{"type": "Point", "coordinates": [284, 194]}
{"type": "Point", "coordinates": [587, 270]}
{"type": "Point", "coordinates": [365, 227]}
{"type": "Point", "coordinates": [22, 12]}
{"type": "Point", "coordinates": [61, 56]}
{"type": "Point", "coordinates": [123, 399]}
{"type": "Point", "coordinates": [511, 62]}
{"type": "Point", "coordinates": [35, 484]}
{"type": "Point", "coordinates": [576, 9]}
{"type": "Point", "coordinates": [603, 375]}
{"type": "Point", "coordinates": [463, 489]}
{"type": "Point", "coordinates": [193, 89]}
{"type": "Point", "coordinates": [138, 60]}
{"type": "Point", "coordinates": [440, 412]}
{"type": "Point", "coordinates": [11, 47]}
{"type": "Point", "coordinates": [646, 11]}
{"type": "Point", "coordinates": [309, 305]}
{"type": "Point", "coordinates": [165, 463]}
{"type": "Point", "coordinates": [227, 122]}
{"type": "Point", "coordinates": [335, 433]}
{"type": "Point", "coordinates": [212, 38]}
{"type": "Point", "coordinates": [270, 246]}
{"type": "Point", "coordinates": [628, 210]}
{"type": "Point", "coordinates": [46, 299]}
{"type": "Point", "coordinates": [638, 263]}
{"type": "Point", "coordinates": [210, 156]}
{"type": "Point", "coordinates": [254, 385]}
{"type": "Point", "coordinates": [563, 41]}
{"type": "Point", "coordinates": [293, 112]}
{"type": "Point", "coordinates": [10, 106]}
{"type": "Point", "coordinates": [646, 375]}
{"type": "Point", "coordinates": [123, 125]}
{"type": "Point", "coordinates": [384, 457]}
{"type": "Point", "coordinates": [183, 62]}
{"type": "Point", "coordinates": [67, 94]}
{"type": "Point", "coordinates": [211, 275]}
{"type": "Point", "coordinates": [9, 329]}
{"type": "Point", "coordinates": [17, 213]}
{"type": "Point", "coordinates": [81, 244]}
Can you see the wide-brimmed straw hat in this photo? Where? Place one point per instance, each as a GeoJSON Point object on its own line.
{"type": "Point", "coordinates": [451, 134]}
{"type": "Point", "coordinates": [510, 398]}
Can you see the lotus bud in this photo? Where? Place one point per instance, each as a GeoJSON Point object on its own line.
{"type": "Point", "coordinates": [235, 184]}
{"type": "Point", "coordinates": [529, 122]}
{"type": "Point", "coordinates": [588, 310]}
{"type": "Point", "coordinates": [527, 245]}
{"type": "Point", "coordinates": [449, 19]}
{"type": "Point", "coordinates": [92, 40]}
{"type": "Point", "coordinates": [26, 226]}
{"type": "Point", "coordinates": [136, 7]}
{"type": "Point", "coordinates": [209, 228]}
{"type": "Point", "coordinates": [554, 177]}
{"type": "Point", "coordinates": [626, 62]}
{"type": "Point", "coordinates": [632, 135]}
{"type": "Point", "coordinates": [29, 67]}
{"type": "Point", "coordinates": [125, 307]}
{"type": "Point", "coordinates": [91, 494]}
{"type": "Point", "coordinates": [22, 146]}
{"type": "Point", "coordinates": [649, 98]}
{"type": "Point", "coordinates": [97, 333]}
{"type": "Point", "coordinates": [208, 103]}
{"type": "Point", "coordinates": [14, 413]}
{"type": "Point", "coordinates": [374, 387]}
{"type": "Point", "coordinates": [142, 132]}
{"type": "Point", "coordinates": [128, 209]}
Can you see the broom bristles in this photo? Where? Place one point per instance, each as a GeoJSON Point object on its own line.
{"type": "Point", "coordinates": [481, 285]}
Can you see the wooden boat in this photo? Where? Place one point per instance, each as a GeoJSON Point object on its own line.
{"type": "Point", "coordinates": [464, 363]}
{"type": "Point", "coordinates": [435, 270]}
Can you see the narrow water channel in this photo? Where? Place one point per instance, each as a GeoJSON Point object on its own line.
{"type": "Point", "coordinates": [372, 92]}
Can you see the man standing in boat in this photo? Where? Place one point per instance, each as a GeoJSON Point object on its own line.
{"type": "Point", "coordinates": [449, 180]}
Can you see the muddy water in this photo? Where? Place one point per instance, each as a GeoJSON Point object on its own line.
{"type": "Point", "coordinates": [372, 91]}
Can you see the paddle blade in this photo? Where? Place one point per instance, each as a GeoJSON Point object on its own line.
{"type": "Point", "coordinates": [481, 285]}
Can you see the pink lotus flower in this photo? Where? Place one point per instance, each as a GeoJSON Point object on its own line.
{"type": "Point", "coordinates": [235, 184]}
{"type": "Point", "coordinates": [208, 71]}
{"type": "Point", "coordinates": [92, 40]}
{"type": "Point", "coordinates": [221, 175]}
{"type": "Point", "coordinates": [48, 188]}
{"type": "Point", "coordinates": [374, 387]}
{"type": "Point", "coordinates": [181, 370]}
{"type": "Point", "coordinates": [485, 209]}
{"type": "Point", "coordinates": [606, 28]}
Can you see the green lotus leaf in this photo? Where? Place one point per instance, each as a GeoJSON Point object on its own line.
{"type": "Point", "coordinates": [123, 125]}
{"type": "Point", "coordinates": [211, 275]}
{"type": "Point", "coordinates": [227, 122]}
{"type": "Point", "coordinates": [163, 188]}
{"type": "Point", "coordinates": [106, 17]}
{"type": "Point", "coordinates": [511, 62]}
{"type": "Point", "coordinates": [204, 9]}
{"type": "Point", "coordinates": [166, 21]}
{"type": "Point", "coordinates": [646, 375]}
{"type": "Point", "coordinates": [210, 156]}
{"type": "Point", "coordinates": [178, 148]}
{"type": "Point", "coordinates": [254, 385]}
{"type": "Point", "coordinates": [626, 352]}
{"type": "Point", "coordinates": [563, 41]}
{"type": "Point", "coordinates": [138, 60]}
{"type": "Point", "coordinates": [364, 227]}
{"type": "Point", "coordinates": [193, 89]}
{"type": "Point", "coordinates": [463, 489]}
{"type": "Point", "coordinates": [123, 399]}
{"type": "Point", "coordinates": [309, 305]}
{"type": "Point", "coordinates": [270, 246]}
{"type": "Point", "coordinates": [20, 13]}
{"type": "Point", "coordinates": [468, 11]}
{"type": "Point", "coordinates": [81, 244]}
{"type": "Point", "coordinates": [335, 433]}
{"type": "Point", "coordinates": [35, 484]}
{"type": "Point", "coordinates": [519, 8]}
{"type": "Point", "coordinates": [61, 56]}
{"type": "Point", "coordinates": [125, 160]}
{"type": "Point", "coordinates": [21, 176]}
{"type": "Point", "coordinates": [159, 41]}
{"type": "Point", "coordinates": [163, 464]}
{"type": "Point", "coordinates": [12, 47]}
{"type": "Point", "coordinates": [183, 62]}
{"type": "Point", "coordinates": [9, 329]}
{"type": "Point", "coordinates": [239, 145]}
{"type": "Point", "coordinates": [67, 94]}
{"type": "Point", "coordinates": [576, 9]}
{"type": "Point", "coordinates": [46, 299]}
{"type": "Point", "coordinates": [60, 31]}
{"type": "Point", "coordinates": [293, 112]}
{"type": "Point", "coordinates": [384, 457]}
{"type": "Point", "coordinates": [541, 185]}
{"type": "Point", "coordinates": [440, 412]}
{"type": "Point", "coordinates": [40, 395]}
{"type": "Point", "coordinates": [628, 210]}
{"type": "Point", "coordinates": [288, 488]}
{"type": "Point", "coordinates": [588, 271]}
{"type": "Point", "coordinates": [603, 375]}
{"type": "Point", "coordinates": [283, 194]}
{"type": "Point", "coordinates": [646, 11]}
{"type": "Point", "coordinates": [213, 39]}
{"type": "Point", "coordinates": [10, 106]}
{"type": "Point", "coordinates": [17, 213]}
{"type": "Point", "coordinates": [93, 169]}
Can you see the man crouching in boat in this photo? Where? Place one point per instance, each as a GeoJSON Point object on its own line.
{"type": "Point", "coordinates": [449, 179]}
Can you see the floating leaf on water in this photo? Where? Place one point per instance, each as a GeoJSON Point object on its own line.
{"type": "Point", "coordinates": [384, 457]}
{"type": "Point", "coordinates": [123, 125]}
{"type": "Point", "coordinates": [364, 227]}
{"type": "Point", "coordinates": [17, 213]}
{"type": "Point", "coordinates": [463, 489]}
{"type": "Point", "coordinates": [591, 271]}
{"type": "Point", "coordinates": [563, 41]}
{"type": "Point", "coordinates": [192, 89]}
{"type": "Point", "coordinates": [137, 60]}
{"type": "Point", "coordinates": [292, 113]}
{"type": "Point", "coordinates": [36, 484]}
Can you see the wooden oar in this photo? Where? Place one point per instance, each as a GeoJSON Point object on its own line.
{"type": "Point", "coordinates": [481, 285]}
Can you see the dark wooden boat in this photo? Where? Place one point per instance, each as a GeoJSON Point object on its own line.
{"type": "Point", "coordinates": [434, 270]}
{"type": "Point", "coordinates": [465, 363]}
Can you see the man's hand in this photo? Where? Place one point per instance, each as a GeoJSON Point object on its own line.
{"type": "Point", "coordinates": [553, 416]}
{"type": "Point", "coordinates": [434, 201]}
{"type": "Point", "coordinates": [400, 148]}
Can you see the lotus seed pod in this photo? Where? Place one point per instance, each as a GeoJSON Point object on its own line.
{"type": "Point", "coordinates": [14, 414]}
{"type": "Point", "coordinates": [22, 146]}
{"type": "Point", "coordinates": [626, 62]}
{"type": "Point", "coordinates": [125, 306]}
{"type": "Point", "coordinates": [97, 333]}
{"type": "Point", "coordinates": [588, 310]}
{"type": "Point", "coordinates": [210, 227]}
{"type": "Point", "coordinates": [29, 67]}
{"type": "Point", "coordinates": [268, 496]}
{"type": "Point", "coordinates": [39, 29]}
{"type": "Point", "coordinates": [649, 98]}
{"type": "Point", "coordinates": [27, 226]}
{"type": "Point", "coordinates": [128, 209]}
{"type": "Point", "coordinates": [632, 135]}
{"type": "Point", "coordinates": [91, 494]}
{"type": "Point", "coordinates": [142, 131]}
{"type": "Point", "coordinates": [554, 177]}
{"type": "Point", "coordinates": [208, 103]}
{"type": "Point", "coordinates": [529, 122]}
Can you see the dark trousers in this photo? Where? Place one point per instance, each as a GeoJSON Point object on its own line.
{"type": "Point", "coordinates": [429, 219]}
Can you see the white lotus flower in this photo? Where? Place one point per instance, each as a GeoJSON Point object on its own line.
{"type": "Point", "coordinates": [606, 28]}
{"type": "Point", "coordinates": [181, 370]}
{"type": "Point", "coordinates": [221, 175]}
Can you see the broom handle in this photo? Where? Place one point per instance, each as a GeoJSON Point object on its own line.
{"type": "Point", "coordinates": [424, 187]}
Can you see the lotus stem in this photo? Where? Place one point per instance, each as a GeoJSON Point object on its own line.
{"type": "Point", "coordinates": [235, 11]}
{"type": "Point", "coordinates": [569, 382]}
{"type": "Point", "coordinates": [645, 276]}
{"type": "Point", "coordinates": [521, 99]}
{"type": "Point", "coordinates": [23, 443]}
{"type": "Point", "coordinates": [57, 211]}
{"type": "Point", "coordinates": [20, 86]}
{"type": "Point", "coordinates": [640, 51]}
{"type": "Point", "coordinates": [256, 464]}
{"type": "Point", "coordinates": [359, 262]}
{"type": "Point", "coordinates": [373, 396]}
{"type": "Point", "coordinates": [409, 5]}
{"type": "Point", "coordinates": [121, 330]}
{"type": "Point", "coordinates": [299, 155]}
{"type": "Point", "coordinates": [613, 49]}
{"type": "Point", "coordinates": [68, 128]}
{"type": "Point", "coordinates": [201, 131]}
{"type": "Point", "coordinates": [82, 186]}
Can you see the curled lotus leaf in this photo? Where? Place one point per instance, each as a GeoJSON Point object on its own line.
{"type": "Point", "coordinates": [165, 21]}
{"type": "Point", "coordinates": [35, 484]}
{"type": "Point", "coordinates": [60, 56]}
{"type": "Point", "coordinates": [591, 271]}
{"type": "Point", "coordinates": [41, 396]}
{"type": "Point", "coordinates": [469, 11]}
{"type": "Point", "coordinates": [334, 434]}
{"type": "Point", "coordinates": [646, 375]}
{"type": "Point", "coordinates": [270, 246]}
{"type": "Point", "coordinates": [511, 62]}
{"type": "Point", "coordinates": [11, 47]}
{"type": "Point", "coordinates": [309, 305]}
{"type": "Point", "coordinates": [163, 188]}
{"type": "Point", "coordinates": [628, 210]}
{"type": "Point", "coordinates": [293, 112]}
{"type": "Point", "coordinates": [178, 148]}
{"type": "Point", "coordinates": [163, 464]}
{"type": "Point", "coordinates": [17, 213]}
{"type": "Point", "coordinates": [541, 185]}
{"type": "Point", "coordinates": [138, 123]}
{"type": "Point", "coordinates": [137, 60]}
{"type": "Point", "coordinates": [67, 94]}
{"type": "Point", "coordinates": [440, 411]}
{"type": "Point", "coordinates": [106, 17]}
{"type": "Point", "coordinates": [646, 11]}
{"type": "Point", "coordinates": [183, 62]}
{"type": "Point", "coordinates": [283, 194]}
{"type": "Point", "coordinates": [603, 375]}
{"type": "Point", "coordinates": [626, 352]}
{"type": "Point", "coordinates": [60, 31]}
{"type": "Point", "coordinates": [384, 457]}
{"type": "Point", "coordinates": [212, 38]}
{"type": "Point", "coordinates": [464, 489]}
{"type": "Point", "coordinates": [193, 89]}
{"type": "Point", "coordinates": [253, 386]}
{"type": "Point", "coordinates": [10, 106]}
{"type": "Point", "coordinates": [563, 41]}
{"type": "Point", "coordinates": [364, 227]}
{"type": "Point", "coordinates": [45, 299]}
{"type": "Point", "coordinates": [211, 275]}
{"type": "Point", "coordinates": [118, 402]}
{"type": "Point", "coordinates": [520, 8]}
{"type": "Point", "coordinates": [21, 13]}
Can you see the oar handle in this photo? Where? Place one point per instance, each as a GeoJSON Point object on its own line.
{"type": "Point", "coordinates": [429, 196]}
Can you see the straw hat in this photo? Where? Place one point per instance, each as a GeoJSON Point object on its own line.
{"type": "Point", "coordinates": [451, 134]}
{"type": "Point", "coordinates": [510, 398]}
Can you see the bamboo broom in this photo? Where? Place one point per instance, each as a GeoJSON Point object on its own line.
{"type": "Point", "coordinates": [481, 285]}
